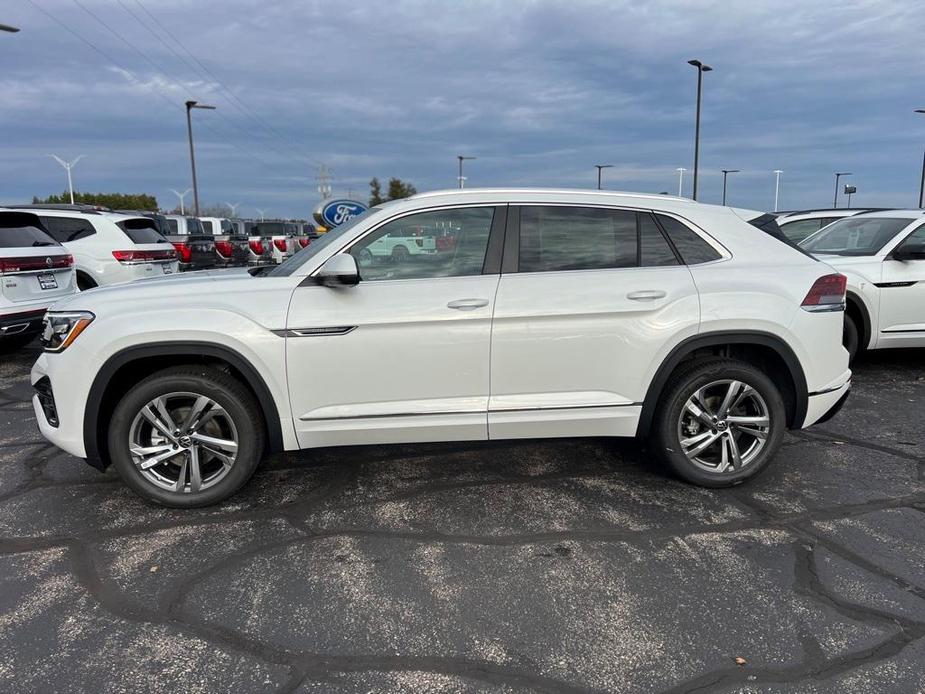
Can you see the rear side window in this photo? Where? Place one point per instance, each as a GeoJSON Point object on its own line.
{"type": "Point", "coordinates": [22, 231]}
{"type": "Point", "coordinates": [64, 229]}
{"type": "Point", "coordinates": [141, 230]}
{"type": "Point", "coordinates": [193, 226]}
{"type": "Point", "coordinates": [576, 238]}
{"type": "Point", "coordinates": [692, 248]}
{"type": "Point", "coordinates": [174, 226]}
{"type": "Point", "coordinates": [207, 226]}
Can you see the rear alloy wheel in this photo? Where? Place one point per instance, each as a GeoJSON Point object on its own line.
{"type": "Point", "coordinates": [720, 422]}
{"type": "Point", "coordinates": [186, 437]}
{"type": "Point", "coordinates": [850, 337]}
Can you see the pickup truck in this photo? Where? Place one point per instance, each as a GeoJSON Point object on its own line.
{"type": "Point", "coordinates": [283, 235]}
{"type": "Point", "coordinates": [195, 248]}
{"type": "Point", "coordinates": [231, 248]}
{"type": "Point", "coordinates": [261, 247]}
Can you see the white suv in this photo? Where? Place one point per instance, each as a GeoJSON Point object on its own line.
{"type": "Point", "coordinates": [798, 225]}
{"type": "Point", "coordinates": [550, 313]}
{"type": "Point", "coordinates": [883, 256]}
{"type": "Point", "coordinates": [35, 271]}
{"type": "Point", "coordinates": [108, 247]}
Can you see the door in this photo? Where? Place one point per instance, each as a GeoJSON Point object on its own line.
{"type": "Point", "coordinates": [586, 301]}
{"type": "Point", "coordinates": [902, 296]}
{"type": "Point", "coordinates": [404, 355]}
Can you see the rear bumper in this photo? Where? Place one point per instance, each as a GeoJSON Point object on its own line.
{"type": "Point", "coordinates": [825, 405]}
{"type": "Point", "coordinates": [21, 323]}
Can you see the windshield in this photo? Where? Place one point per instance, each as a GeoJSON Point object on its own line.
{"type": "Point", "coordinates": [855, 235]}
{"type": "Point", "coordinates": [327, 239]}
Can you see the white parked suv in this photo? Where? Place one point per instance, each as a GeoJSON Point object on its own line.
{"type": "Point", "coordinates": [35, 271]}
{"type": "Point", "coordinates": [883, 256]}
{"type": "Point", "coordinates": [108, 247]}
{"type": "Point", "coordinates": [550, 313]}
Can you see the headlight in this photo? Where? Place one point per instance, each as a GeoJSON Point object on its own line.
{"type": "Point", "coordinates": [61, 328]}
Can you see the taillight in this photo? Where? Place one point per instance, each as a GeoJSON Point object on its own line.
{"type": "Point", "coordinates": [184, 251]}
{"type": "Point", "coordinates": [280, 244]}
{"type": "Point", "coordinates": [31, 264]}
{"type": "Point", "coordinates": [257, 247]}
{"type": "Point", "coordinates": [304, 241]}
{"type": "Point", "coordinates": [131, 257]}
{"type": "Point", "coordinates": [826, 294]}
{"type": "Point", "coordinates": [224, 248]}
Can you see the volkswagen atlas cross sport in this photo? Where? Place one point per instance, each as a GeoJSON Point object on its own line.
{"type": "Point", "coordinates": [882, 254]}
{"type": "Point", "coordinates": [544, 313]}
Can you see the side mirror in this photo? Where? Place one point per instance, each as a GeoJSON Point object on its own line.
{"type": "Point", "coordinates": [909, 251]}
{"type": "Point", "coordinates": [339, 271]}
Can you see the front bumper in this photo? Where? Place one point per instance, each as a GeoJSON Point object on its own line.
{"type": "Point", "coordinates": [22, 323]}
{"type": "Point", "coordinates": [69, 391]}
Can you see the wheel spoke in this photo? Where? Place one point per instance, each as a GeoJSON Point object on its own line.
{"type": "Point", "coordinates": [724, 458]}
{"type": "Point", "coordinates": [700, 398]}
{"type": "Point", "coordinates": [212, 442]}
{"type": "Point", "coordinates": [153, 418]}
{"type": "Point", "coordinates": [192, 418]}
{"type": "Point", "coordinates": [734, 451]}
{"type": "Point", "coordinates": [181, 478]}
{"type": "Point", "coordinates": [757, 433]}
{"type": "Point", "coordinates": [759, 421]}
{"type": "Point", "coordinates": [195, 475]}
{"type": "Point", "coordinates": [699, 443]}
{"type": "Point", "coordinates": [150, 462]}
{"type": "Point", "coordinates": [746, 391]}
{"type": "Point", "coordinates": [161, 407]}
{"type": "Point", "coordinates": [730, 397]}
{"type": "Point", "coordinates": [698, 412]}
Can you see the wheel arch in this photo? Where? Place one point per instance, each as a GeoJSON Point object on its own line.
{"type": "Point", "coordinates": [142, 360]}
{"type": "Point", "coordinates": [857, 309]}
{"type": "Point", "coordinates": [771, 349]}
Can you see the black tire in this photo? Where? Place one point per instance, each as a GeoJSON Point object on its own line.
{"type": "Point", "coordinates": [665, 436]}
{"type": "Point", "coordinates": [851, 338]}
{"type": "Point", "coordinates": [400, 254]}
{"type": "Point", "coordinates": [217, 385]}
{"type": "Point", "coordinates": [84, 283]}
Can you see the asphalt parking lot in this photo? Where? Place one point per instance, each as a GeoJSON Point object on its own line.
{"type": "Point", "coordinates": [569, 565]}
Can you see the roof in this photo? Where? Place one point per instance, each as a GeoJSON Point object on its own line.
{"type": "Point", "coordinates": [470, 192]}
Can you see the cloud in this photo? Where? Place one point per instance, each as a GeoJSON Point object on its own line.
{"type": "Point", "coordinates": [539, 90]}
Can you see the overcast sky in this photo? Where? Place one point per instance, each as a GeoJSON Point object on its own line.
{"type": "Point", "coordinates": [538, 90]}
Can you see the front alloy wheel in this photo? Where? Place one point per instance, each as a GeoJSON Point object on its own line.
{"type": "Point", "coordinates": [183, 442]}
{"type": "Point", "coordinates": [186, 436]}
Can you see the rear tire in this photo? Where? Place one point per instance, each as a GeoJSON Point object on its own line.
{"type": "Point", "coordinates": [690, 415]}
{"type": "Point", "coordinates": [213, 455]}
{"type": "Point", "coordinates": [851, 338]}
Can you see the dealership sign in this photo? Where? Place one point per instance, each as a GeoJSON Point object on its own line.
{"type": "Point", "coordinates": [332, 213]}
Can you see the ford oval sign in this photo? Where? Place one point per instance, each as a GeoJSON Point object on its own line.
{"type": "Point", "coordinates": [333, 213]}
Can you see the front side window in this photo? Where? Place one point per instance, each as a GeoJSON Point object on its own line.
{"type": "Point", "coordinates": [64, 229]}
{"type": "Point", "coordinates": [855, 235]}
{"type": "Point", "coordinates": [442, 243]}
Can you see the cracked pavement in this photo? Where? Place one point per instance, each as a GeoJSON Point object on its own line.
{"type": "Point", "coordinates": [560, 566]}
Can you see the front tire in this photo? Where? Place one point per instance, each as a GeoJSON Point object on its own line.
{"type": "Point", "coordinates": [719, 422]}
{"type": "Point", "coordinates": [186, 437]}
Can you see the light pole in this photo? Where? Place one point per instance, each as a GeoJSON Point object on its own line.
{"type": "Point", "coordinates": [701, 68]}
{"type": "Point", "coordinates": [726, 172]}
{"type": "Point", "coordinates": [260, 212]}
{"type": "Point", "coordinates": [849, 191]}
{"type": "Point", "coordinates": [67, 167]}
{"type": "Point", "coordinates": [680, 171]}
{"type": "Point", "coordinates": [8, 29]}
{"type": "Point", "coordinates": [182, 197]}
{"type": "Point", "coordinates": [838, 174]}
{"type": "Point", "coordinates": [777, 173]}
{"type": "Point", "coordinates": [190, 105]}
{"type": "Point", "coordinates": [461, 159]}
{"type": "Point", "coordinates": [922, 182]}
{"type": "Point", "coordinates": [599, 168]}
{"type": "Point", "coordinates": [234, 207]}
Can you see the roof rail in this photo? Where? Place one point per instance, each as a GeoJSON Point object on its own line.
{"type": "Point", "coordinates": [570, 191]}
{"type": "Point", "coordinates": [77, 207]}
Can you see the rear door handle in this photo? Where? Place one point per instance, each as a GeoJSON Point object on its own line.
{"type": "Point", "coordinates": [647, 295]}
{"type": "Point", "coordinates": [467, 304]}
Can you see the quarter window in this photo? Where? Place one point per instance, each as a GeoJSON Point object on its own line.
{"type": "Point", "coordinates": [654, 250]}
{"type": "Point", "coordinates": [64, 229]}
{"type": "Point", "coordinates": [442, 243]}
{"type": "Point", "coordinates": [693, 249]}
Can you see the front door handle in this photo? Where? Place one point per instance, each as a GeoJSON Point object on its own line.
{"type": "Point", "coordinates": [647, 295]}
{"type": "Point", "coordinates": [467, 304]}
